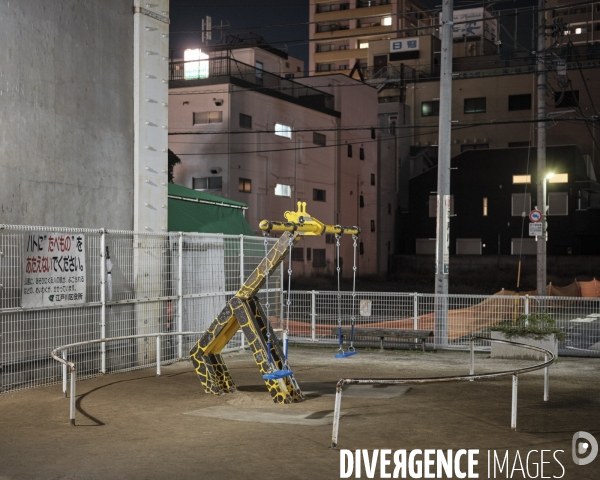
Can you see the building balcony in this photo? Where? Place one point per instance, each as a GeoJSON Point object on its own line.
{"type": "Point", "coordinates": [338, 55]}
{"type": "Point", "coordinates": [352, 32]}
{"type": "Point", "coordinates": [216, 71]}
{"type": "Point", "coordinates": [353, 13]}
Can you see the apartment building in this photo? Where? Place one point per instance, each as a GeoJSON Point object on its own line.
{"type": "Point", "coordinates": [576, 23]}
{"type": "Point", "coordinates": [340, 31]}
{"type": "Point", "coordinates": [250, 135]}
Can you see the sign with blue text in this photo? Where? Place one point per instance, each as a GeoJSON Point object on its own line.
{"type": "Point", "coordinates": [404, 44]}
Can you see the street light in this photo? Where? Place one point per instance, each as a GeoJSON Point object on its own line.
{"type": "Point", "coordinates": [541, 248]}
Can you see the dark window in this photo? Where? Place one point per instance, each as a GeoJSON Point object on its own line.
{"type": "Point", "coordinates": [361, 153]}
{"type": "Point", "coordinates": [308, 254]}
{"type": "Point", "coordinates": [568, 99]}
{"type": "Point", "coordinates": [399, 56]}
{"type": "Point", "coordinates": [319, 139]}
{"type": "Point", "coordinates": [245, 185]}
{"type": "Point", "coordinates": [373, 134]}
{"type": "Point", "coordinates": [319, 195]}
{"type": "Point", "coordinates": [475, 105]}
{"type": "Point", "coordinates": [350, 151]}
{"type": "Point", "coordinates": [361, 201]}
{"type": "Point", "coordinates": [372, 179]}
{"type": "Point", "coordinates": [245, 121]}
{"type": "Point", "coordinates": [430, 109]}
{"type": "Point", "coordinates": [389, 208]}
{"type": "Point", "coordinates": [207, 183]}
{"type": "Point", "coordinates": [517, 144]}
{"type": "Point", "coordinates": [474, 146]}
{"type": "Point", "coordinates": [519, 102]}
{"type": "Point", "coordinates": [361, 248]}
{"type": "Point", "coordinates": [297, 254]}
{"type": "Point", "coordinates": [330, 238]}
{"type": "Point", "coordinates": [372, 225]}
{"type": "Point", "coordinates": [319, 257]}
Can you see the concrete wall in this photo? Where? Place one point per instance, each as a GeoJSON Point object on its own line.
{"type": "Point", "coordinates": [357, 103]}
{"type": "Point", "coordinates": [66, 113]}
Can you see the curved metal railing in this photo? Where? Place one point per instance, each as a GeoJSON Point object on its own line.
{"type": "Point", "coordinates": [549, 360]}
{"type": "Point", "coordinates": [73, 370]}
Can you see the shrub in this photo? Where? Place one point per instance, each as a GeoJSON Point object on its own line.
{"type": "Point", "coordinates": [533, 325]}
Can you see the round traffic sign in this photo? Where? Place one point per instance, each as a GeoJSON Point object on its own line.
{"type": "Point", "coordinates": [535, 216]}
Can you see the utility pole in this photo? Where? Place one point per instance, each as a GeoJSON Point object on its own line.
{"type": "Point", "coordinates": [541, 149]}
{"type": "Point", "coordinates": [442, 257]}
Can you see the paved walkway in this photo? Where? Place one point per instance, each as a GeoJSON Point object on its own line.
{"type": "Point", "coordinates": [138, 426]}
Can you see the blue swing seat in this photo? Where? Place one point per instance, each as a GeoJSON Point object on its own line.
{"type": "Point", "coordinates": [277, 374]}
{"type": "Point", "coordinates": [349, 353]}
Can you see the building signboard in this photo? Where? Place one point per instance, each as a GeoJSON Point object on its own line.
{"type": "Point", "coordinates": [470, 23]}
{"type": "Point", "coordinates": [53, 269]}
{"type": "Point", "coordinates": [404, 45]}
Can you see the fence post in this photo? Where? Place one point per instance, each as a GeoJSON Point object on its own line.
{"type": "Point", "coordinates": [415, 311]}
{"type": "Point", "coordinates": [242, 344]}
{"type": "Point", "coordinates": [526, 304]}
{"type": "Point", "coordinates": [313, 316]}
{"type": "Point", "coordinates": [73, 394]}
{"type": "Point", "coordinates": [180, 297]}
{"type": "Point", "coordinates": [472, 351]}
{"type": "Point", "coordinates": [513, 415]}
{"type": "Point", "coordinates": [64, 372]}
{"type": "Point", "coordinates": [103, 300]}
{"type": "Point", "coordinates": [158, 355]}
{"type": "Point", "coordinates": [546, 382]}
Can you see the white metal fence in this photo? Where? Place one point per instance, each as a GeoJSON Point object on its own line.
{"type": "Point", "coordinates": [130, 284]}
{"type": "Point", "coordinates": [314, 317]}
{"type": "Point", "coordinates": [143, 283]}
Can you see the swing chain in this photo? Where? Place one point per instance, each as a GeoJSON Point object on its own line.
{"type": "Point", "coordinates": [353, 315]}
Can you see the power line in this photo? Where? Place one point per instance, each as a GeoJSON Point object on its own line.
{"type": "Point", "coordinates": [457, 126]}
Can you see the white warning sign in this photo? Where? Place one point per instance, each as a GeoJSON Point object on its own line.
{"type": "Point", "coordinates": [53, 269]}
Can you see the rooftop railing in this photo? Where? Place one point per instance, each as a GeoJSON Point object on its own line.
{"type": "Point", "coordinates": [248, 76]}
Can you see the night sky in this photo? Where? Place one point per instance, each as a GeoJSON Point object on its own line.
{"type": "Point", "coordinates": [272, 18]}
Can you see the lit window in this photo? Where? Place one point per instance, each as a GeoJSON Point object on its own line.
{"type": "Point", "coordinates": [578, 31]}
{"type": "Point", "coordinates": [283, 130]}
{"type": "Point", "coordinates": [195, 69]}
{"type": "Point", "coordinates": [363, 45]}
{"type": "Point", "coordinates": [283, 190]}
{"type": "Point", "coordinates": [485, 205]}
{"type": "Point", "coordinates": [430, 109]}
{"type": "Point", "coordinates": [387, 21]}
{"type": "Point", "coordinates": [245, 185]}
{"type": "Point", "coordinates": [521, 178]}
{"type": "Point", "coordinates": [559, 178]}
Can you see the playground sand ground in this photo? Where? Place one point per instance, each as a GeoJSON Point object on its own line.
{"type": "Point", "coordinates": [139, 426]}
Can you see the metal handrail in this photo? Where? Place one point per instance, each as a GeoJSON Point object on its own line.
{"type": "Point", "coordinates": [73, 370]}
{"type": "Point", "coordinates": [549, 360]}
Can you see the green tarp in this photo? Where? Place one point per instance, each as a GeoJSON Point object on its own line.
{"type": "Point", "coordinates": [193, 211]}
